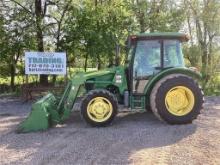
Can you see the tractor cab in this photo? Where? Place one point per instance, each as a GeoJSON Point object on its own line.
{"type": "Point", "coordinates": [149, 54]}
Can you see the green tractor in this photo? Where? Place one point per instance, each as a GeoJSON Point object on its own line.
{"type": "Point", "coordinates": [154, 77]}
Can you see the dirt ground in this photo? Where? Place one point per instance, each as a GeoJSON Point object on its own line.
{"type": "Point", "coordinates": [134, 138]}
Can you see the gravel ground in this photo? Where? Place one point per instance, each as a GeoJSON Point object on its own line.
{"type": "Point", "coordinates": [134, 138]}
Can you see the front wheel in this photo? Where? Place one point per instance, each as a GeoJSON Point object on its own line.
{"type": "Point", "coordinates": [176, 99]}
{"type": "Point", "coordinates": [99, 108]}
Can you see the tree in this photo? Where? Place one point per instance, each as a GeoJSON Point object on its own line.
{"type": "Point", "coordinates": [40, 18]}
{"type": "Point", "coordinates": [162, 15]}
{"type": "Point", "coordinates": [15, 39]}
{"type": "Point", "coordinates": [204, 18]}
{"type": "Point", "coordinates": [96, 27]}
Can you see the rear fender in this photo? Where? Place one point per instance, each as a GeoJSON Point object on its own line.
{"type": "Point", "coordinates": [157, 77]}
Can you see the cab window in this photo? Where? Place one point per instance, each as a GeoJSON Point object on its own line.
{"type": "Point", "coordinates": [173, 56]}
{"type": "Point", "coordinates": [147, 57]}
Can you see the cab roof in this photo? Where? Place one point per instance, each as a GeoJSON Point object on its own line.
{"type": "Point", "coordinates": [162, 35]}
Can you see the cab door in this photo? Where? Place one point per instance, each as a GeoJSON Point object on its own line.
{"type": "Point", "coordinates": [147, 60]}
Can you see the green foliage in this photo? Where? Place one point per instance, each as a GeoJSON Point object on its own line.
{"type": "Point", "coordinates": [192, 55]}
{"type": "Point", "coordinates": [95, 28]}
{"type": "Point", "coordinates": [90, 30]}
{"type": "Point", "coordinates": [213, 86]}
{"type": "Point", "coordinates": [166, 15]}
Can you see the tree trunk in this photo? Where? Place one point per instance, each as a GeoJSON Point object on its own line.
{"type": "Point", "coordinates": [205, 73]}
{"type": "Point", "coordinates": [85, 65]}
{"type": "Point", "coordinates": [12, 72]}
{"type": "Point", "coordinates": [210, 47]}
{"type": "Point", "coordinates": [141, 22]}
{"type": "Point", "coordinates": [99, 62]}
{"type": "Point", "coordinates": [39, 30]}
{"type": "Point", "coordinates": [110, 61]}
{"type": "Point", "coordinates": [117, 55]}
{"type": "Point", "coordinates": [204, 59]}
{"type": "Point", "coordinates": [13, 64]}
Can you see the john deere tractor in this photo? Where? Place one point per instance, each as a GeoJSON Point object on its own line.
{"type": "Point", "coordinates": [154, 77]}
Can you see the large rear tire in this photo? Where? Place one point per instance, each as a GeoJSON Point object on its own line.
{"type": "Point", "coordinates": [176, 99]}
{"type": "Point", "coordinates": [99, 108]}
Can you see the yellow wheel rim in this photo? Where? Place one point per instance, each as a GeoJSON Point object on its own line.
{"type": "Point", "coordinates": [99, 109]}
{"type": "Point", "coordinates": [179, 100]}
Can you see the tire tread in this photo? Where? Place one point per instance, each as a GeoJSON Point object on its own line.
{"type": "Point", "coordinates": [158, 85]}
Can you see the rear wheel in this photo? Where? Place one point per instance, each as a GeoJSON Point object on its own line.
{"type": "Point", "coordinates": [176, 99]}
{"type": "Point", "coordinates": [99, 108]}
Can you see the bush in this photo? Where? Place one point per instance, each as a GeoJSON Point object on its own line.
{"type": "Point", "coordinates": [213, 86]}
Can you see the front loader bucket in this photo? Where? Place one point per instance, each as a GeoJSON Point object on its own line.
{"type": "Point", "coordinates": [43, 115]}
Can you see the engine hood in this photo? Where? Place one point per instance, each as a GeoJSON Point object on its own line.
{"type": "Point", "coordinates": [99, 73]}
{"type": "Point", "coordinates": [102, 78]}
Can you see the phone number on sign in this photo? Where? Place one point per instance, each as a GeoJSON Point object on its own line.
{"type": "Point", "coordinates": [45, 66]}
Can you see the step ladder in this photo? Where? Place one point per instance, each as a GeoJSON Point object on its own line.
{"type": "Point", "coordinates": [138, 101]}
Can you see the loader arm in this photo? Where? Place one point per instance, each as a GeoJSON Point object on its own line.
{"type": "Point", "coordinates": [74, 88]}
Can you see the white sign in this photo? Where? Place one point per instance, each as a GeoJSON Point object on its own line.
{"type": "Point", "coordinates": [45, 63]}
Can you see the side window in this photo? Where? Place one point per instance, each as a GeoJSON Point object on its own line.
{"type": "Point", "coordinates": [147, 57]}
{"type": "Point", "coordinates": [172, 53]}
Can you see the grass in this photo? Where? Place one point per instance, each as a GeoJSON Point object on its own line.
{"type": "Point", "coordinates": [213, 89]}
